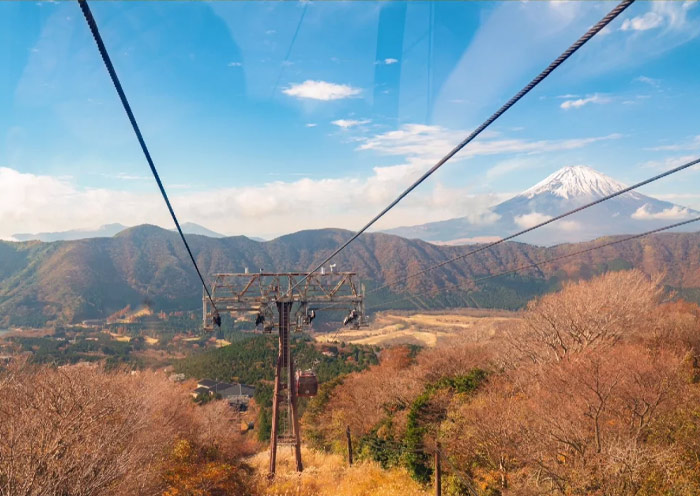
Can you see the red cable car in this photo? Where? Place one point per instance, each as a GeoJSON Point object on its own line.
{"type": "Point", "coordinates": [307, 384]}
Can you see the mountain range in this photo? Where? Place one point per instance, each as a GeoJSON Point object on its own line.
{"type": "Point", "coordinates": [67, 281]}
{"type": "Point", "coordinates": [106, 231]}
{"type": "Point", "coordinates": [562, 191]}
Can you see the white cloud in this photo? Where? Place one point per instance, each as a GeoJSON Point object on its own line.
{"type": "Point", "coordinates": [321, 90]}
{"type": "Point", "coordinates": [670, 162]}
{"type": "Point", "coordinates": [672, 213]}
{"type": "Point", "coordinates": [649, 20]}
{"type": "Point", "coordinates": [671, 16]}
{"type": "Point", "coordinates": [532, 219]}
{"type": "Point", "coordinates": [390, 61]}
{"type": "Point", "coordinates": [421, 143]}
{"type": "Point", "coordinates": [36, 203]}
{"type": "Point", "coordinates": [688, 144]}
{"type": "Point", "coordinates": [348, 123]}
{"type": "Point", "coordinates": [127, 177]}
{"type": "Point", "coordinates": [580, 102]}
{"type": "Point", "coordinates": [692, 200]}
{"type": "Point", "coordinates": [655, 83]}
{"type": "Point", "coordinates": [311, 124]}
{"type": "Point", "coordinates": [235, 64]}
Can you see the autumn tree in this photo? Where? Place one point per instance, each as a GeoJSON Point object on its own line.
{"type": "Point", "coordinates": [79, 430]}
{"type": "Point", "coordinates": [584, 314]}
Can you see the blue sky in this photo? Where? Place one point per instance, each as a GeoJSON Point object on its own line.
{"type": "Point", "coordinates": [270, 117]}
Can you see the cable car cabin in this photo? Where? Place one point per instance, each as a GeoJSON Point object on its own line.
{"type": "Point", "coordinates": [307, 384]}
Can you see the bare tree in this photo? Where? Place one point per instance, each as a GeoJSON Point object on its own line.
{"type": "Point", "coordinates": [78, 430]}
{"type": "Point", "coordinates": [583, 315]}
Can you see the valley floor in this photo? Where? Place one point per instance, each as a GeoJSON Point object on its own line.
{"type": "Point", "coordinates": [427, 329]}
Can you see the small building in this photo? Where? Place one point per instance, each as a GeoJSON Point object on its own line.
{"type": "Point", "coordinates": [238, 395]}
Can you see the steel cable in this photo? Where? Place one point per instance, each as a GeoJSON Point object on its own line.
{"type": "Point", "coordinates": [541, 224]}
{"type": "Point", "coordinates": [560, 257]}
{"type": "Point", "coordinates": [538, 79]}
{"type": "Point", "coordinates": [92, 24]}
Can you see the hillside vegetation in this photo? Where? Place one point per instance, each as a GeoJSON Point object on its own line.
{"type": "Point", "coordinates": [67, 281]}
{"type": "Point", "coordinates": [595, 392]}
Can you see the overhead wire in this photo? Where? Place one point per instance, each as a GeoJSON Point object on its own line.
{"type": "Point", "coordinates": [559, 257]}
{"type": "Point", "coordinates": [617, 10]}
{"type": "Point", "coordinates": [289, 49]}
{"type": "Point", "coordinates": [541, 224]}
{"type": "Point", "coordinates": [92, 24]}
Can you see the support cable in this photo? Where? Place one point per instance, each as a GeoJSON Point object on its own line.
{"type": "Point", "coordinates": [538, 79]}
{"type": "Point", "coordinates": [562, 257]}
{"type": "Point", "coordinates": [117, 85]}
{"type": "Point", "coordinates": [541, 224]}
{"type": "Point", "coordinates": [289, 50]}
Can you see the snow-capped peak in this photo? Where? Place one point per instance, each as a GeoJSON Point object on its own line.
{"type": "Point", "coordinates": [575, 181]}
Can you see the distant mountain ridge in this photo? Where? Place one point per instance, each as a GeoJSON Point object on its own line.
{"type": "Point", "coordinates": [68, 281]}
{"type": "Point", "coordinates": [106, 231]}
{"type": "Point", "coordinates": [562, 191]}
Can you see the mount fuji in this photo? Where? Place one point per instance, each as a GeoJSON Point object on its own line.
{"type": "Point", "coordinates": [562, 191]}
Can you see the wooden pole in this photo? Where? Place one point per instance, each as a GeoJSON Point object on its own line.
{"type": "Point", "coordinates": [295, 418]}
{"type": "Point", "coordinates": [347, 434]}
{"type": "Point", "coordinates": [438, 472]}
{"type": "Point", "coordinates": [275, 418]}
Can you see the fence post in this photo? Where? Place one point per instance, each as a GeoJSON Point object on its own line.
{"type": "Point", "coordinates": [347, 434]}
{"type": "Point", "coordinates": [438, 472]}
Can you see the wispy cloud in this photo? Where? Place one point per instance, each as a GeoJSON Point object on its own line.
{"type": "Point", "coordinates": [654, 83]}
{"type": "Point", "coordinates": [311, 124]}
{"type": "Point", "coordinates": [235, 64]}
{"type": "Point", "coordinates": [348, 123]}
{"type": "Point", "coordinates": [421, 143]}
{"type": "Point", "coordinates": [664, 16]}
{"type": "Point", "coordinates": [649, 20]}
{"type": "Point", "coordinates": [669, 162]}
{"type": "Point", "coordinates": [688, 144]}
{"type": "Point", "coordinates": [672, 213]}
{"type": "Point", "coordinates": [124, 177]}
{"type": "Point", "coordinates": [321, 90]}
{"type": "Point", "coordinates": [580, 102]}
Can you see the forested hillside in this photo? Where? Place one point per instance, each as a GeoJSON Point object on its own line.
{"type": "Point", "coordinates": [595, 392]}
{"type": "Point", "coordinates": [67, 281]}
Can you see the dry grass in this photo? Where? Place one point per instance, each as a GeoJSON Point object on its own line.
{"type": "Point", "coordinates": [427, 328]}
{"type": "Point", "coordinates": [328, 475]}
{"type": "Point", "coordinates": [118, 337]}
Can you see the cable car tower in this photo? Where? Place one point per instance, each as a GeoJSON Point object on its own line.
{"type": "Point", "coordinates": [264, 293]}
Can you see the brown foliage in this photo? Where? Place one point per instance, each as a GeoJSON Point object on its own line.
{"type": "Point", "coordinates": [599, 402]}
{"type": "Point", "coordinates": [585, 314]}
{"type": "Point", "coordinates": [365, 398]}
{"type": "Point", "coordinates": [600, 396]}
{"type": "Point", "coordinates": [82, 431]}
